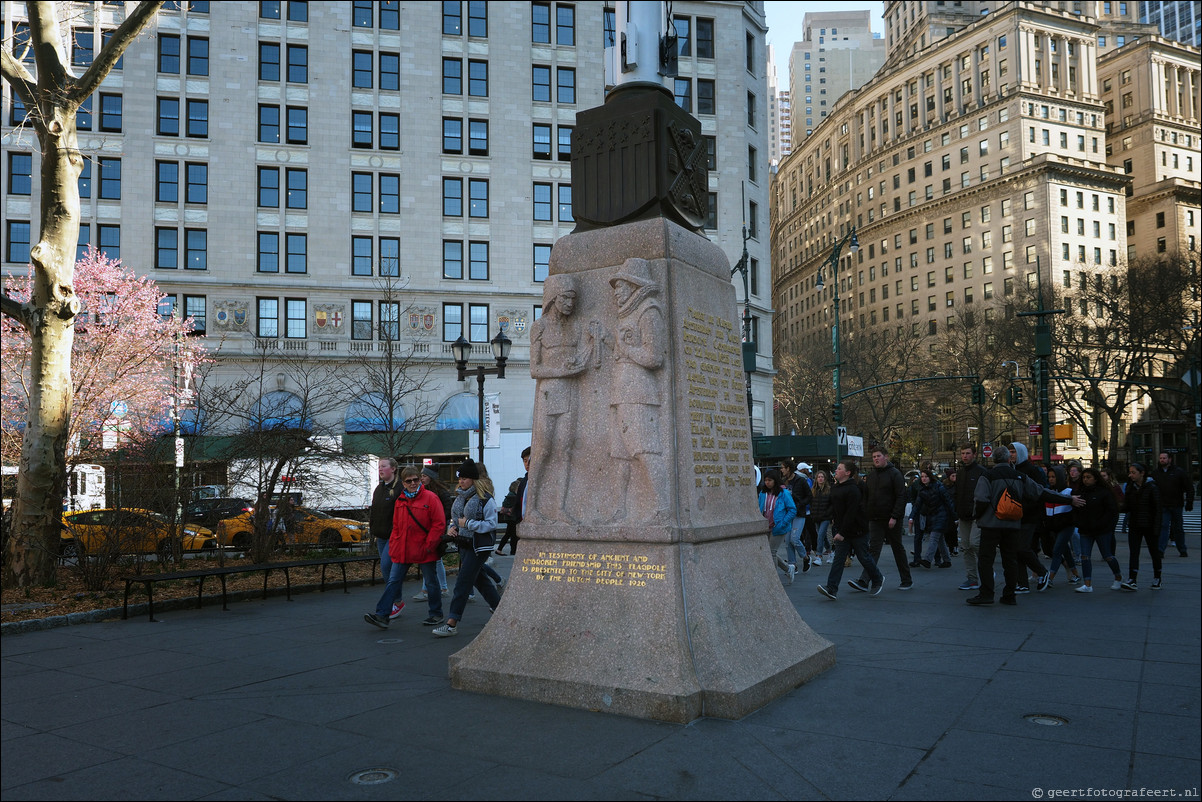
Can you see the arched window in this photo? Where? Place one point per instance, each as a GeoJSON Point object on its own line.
{"type": "Point", "coordinates": [461, 411]}
{"type": "Point", "coordinates": [279, 410]}
{"type": "Point", "coordinates": [369, 413]}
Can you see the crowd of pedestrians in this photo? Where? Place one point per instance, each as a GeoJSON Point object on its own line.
{"type": "Point", "coordinates": [1012, 508]}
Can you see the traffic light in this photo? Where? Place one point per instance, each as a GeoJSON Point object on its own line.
{"type": "Point", "coordinates": [978, 394]}
{"type": "Point", "coordinates": [837, 412]}
{"type": "Point", "coordinates": [1014, 396]}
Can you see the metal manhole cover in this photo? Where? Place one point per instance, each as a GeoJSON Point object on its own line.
{"type": "Point", "coordinates": [1046, 719]}
{"type": "Point", "coordinates": [374, 776]}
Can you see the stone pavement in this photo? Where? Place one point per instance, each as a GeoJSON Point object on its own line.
{"type": "Point", "coordinates": [929, 699]}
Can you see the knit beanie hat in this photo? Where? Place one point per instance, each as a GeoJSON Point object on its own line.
{"type": "Point", "coordinates": [428, 471]}
{"type": "Point", "coordinates": [468, 470]}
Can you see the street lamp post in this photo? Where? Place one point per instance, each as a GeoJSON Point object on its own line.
{"type": "Point", "coordinates": [853, 245]}
{"type": "Point", "coordinates": [749, 361]}
{"type": "Point", "coordinates": [461, 348]}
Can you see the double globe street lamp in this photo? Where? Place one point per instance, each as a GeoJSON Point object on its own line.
{"type": "Point", "coordinates": [462, 349]}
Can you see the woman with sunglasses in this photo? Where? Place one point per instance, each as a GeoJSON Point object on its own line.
{"type": "Point", "coordinates": [417, 526]}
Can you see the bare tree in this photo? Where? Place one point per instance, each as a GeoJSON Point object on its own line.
{"type": "Point", "coordinates": [52, 98]}
{"type": "Point", "coordinates": [870, 360]}
{"type": "Point", "coordinates": [803, 391]}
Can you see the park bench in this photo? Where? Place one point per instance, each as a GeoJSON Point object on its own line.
{"type": "Point", "coordinates": [221, 572]}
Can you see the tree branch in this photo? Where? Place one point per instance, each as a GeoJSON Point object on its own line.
{"type": "Point", "coordinates": [22, 80]}
{"type": "Point", "coordinates": [25, 314]}
{"type": "Point", "coordinates": [121, 39]}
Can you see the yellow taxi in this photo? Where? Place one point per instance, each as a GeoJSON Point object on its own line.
{"type": "Point", "coordinates": [309, 526]}
{"type": "Point", "coordinates": [128, 531]}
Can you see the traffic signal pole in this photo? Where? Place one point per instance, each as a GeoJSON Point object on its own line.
{"type": "Point", "coordinates": [1043, 351]}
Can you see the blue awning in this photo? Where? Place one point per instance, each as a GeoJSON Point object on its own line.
{"type": "Point", "coordinates": [461, 411]}
{"type": "Point", "coordinates": [279, 410]}
{"type": "Point", "coordinates": [369, 413]}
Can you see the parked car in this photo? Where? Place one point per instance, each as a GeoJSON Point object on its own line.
{"type": "Point", "coordinates": [310, 526]}
{"type": "Point", "coordinates": [128, 531]}
{"type": "Point", "coordinates": [209, 512]}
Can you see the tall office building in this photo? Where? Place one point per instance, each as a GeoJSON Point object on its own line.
{"type": "Point", "coordinates": [997, 137]}
{"type": "Point", "coordinates": [839, 53]}
{"type": "Point", "coordinates": [1177, 19]}
{"type": "Point", "coordinates": [324, 181]}
{"type": "Point", "coordinates": [779, 113]}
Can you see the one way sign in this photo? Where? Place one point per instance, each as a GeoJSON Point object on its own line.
{"type": "Point", "coordinates": [841, 435]}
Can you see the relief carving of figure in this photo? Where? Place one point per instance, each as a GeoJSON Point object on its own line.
{"type": "Point", "coordinates": [640, 353]}
{"type": "Point", "coordinates": [558, 353]}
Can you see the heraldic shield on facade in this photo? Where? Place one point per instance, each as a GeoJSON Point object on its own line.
{"type": "Point", "coordinates": [231, 315]}
{"type": "Point", "coordinates": [421, 321]}
{"type": "Point", "coordinates": [328, 317]}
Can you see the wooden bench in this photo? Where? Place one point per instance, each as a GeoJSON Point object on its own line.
{"type": "Point", "coordinates": [221, 572]}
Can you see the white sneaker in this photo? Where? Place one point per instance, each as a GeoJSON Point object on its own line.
{"type": "Point", "coordinates": [445, 631]}
{"type": "Point", "coordinates": [817, 560]}
{"type": "Point", "coordinates": [1084, 589]}
{"type": "Point", "coordinates": [422, 596]}
{"type": "Point", "coordinates": [792, 573]}
{"type": "Point", "coordinates": [1118, 585]}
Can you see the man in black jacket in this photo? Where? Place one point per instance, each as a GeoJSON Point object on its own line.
{"type": "Point", "coordinates": [851, 529]}
{"type": "Point", "coordinates": [969, 532]}
{"type": "Point", "coordinates": [1176, 498]}
{"type": "Point", "coordinates": [886, 502]}
{"type": "Point", "coordinates": [383, 502]}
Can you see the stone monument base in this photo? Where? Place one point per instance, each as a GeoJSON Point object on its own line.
{"type": "Point", "coordinates": [673, 632]}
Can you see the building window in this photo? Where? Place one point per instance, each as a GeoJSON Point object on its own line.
{"type": "Point", "coordinates": [683, 93]}
{"type": "Point", "coordinates": [540, 83]}
{"type": "Point", "coordinates": [198, 55]}
{"type": "Point", "coordinates": [684, 45]}
{"type": "Point", "coordinates": [295, 318]}
{"type": "Point", "coordinates": [564, 153]}
{"type": "Point", "coordinates": [390, 257]}
{"type": "Point", "coordinates": [196, 244]}
{"type": "Point", "coordinates": [452, 135]}
{"type": "Point", "coordinates": [705, 97]}
{"type": "Point", "coordinates": [478, 323]}
{"type": "Point", "coordinates": [542, 141]}
{"type": "Point", "coordinates": [269, 252]}
{"type": "Point", "coordinates": [269, 124]}
{"type": "Point", "coordinates": [477, 142]}
{"type": "Point", "coordinates": [478, 261]}
{"type": "Point", "coordinates": [110, 113]}
{"type": "Point", "coordinates": [751, 113]}
{"type": "Point", "coordinates": [298, 189]}
{"type": "Point", "coordinates": [198, 119]}
{"type": "Point", "coordinates": [361, 256]}
{"type": "Point", "coordinates": [753, 227]}
{"type": "Point", "coordinates": [477, 78]}
{"type": "Point", "coordinates": [390, 131]}
{"type": "Point", "coordinates": [85, 180]}
{"type": "Point", "coordinates": [452, 76]}
{"type": "Point", "coordinates": [109, 241]}
{"type": "Point", "coordinates": [361, 129]}
{"type": "Point", "coordinates": [452, 259]}
{"type": "Point", "coordinates": [705, 38]}
{"type": "Point", "coordinates": [452, 322]}
{"type": "Point", "coordinates": [542, 261]}
{"type": "Point", "coordinates": [711, 210]}
{"type": "Point", "coordinates": [565, 25]}
{"type": "Point", "coordinates": [17, 240]}
{"type": "Point", "coordinates": [752, 160]}
{"type": "Point", "coordinates": [540, 30]}
{"type": "Point", "coordinates": [166, 182]}
{"type": "Point", "coordinates": [565, 84]}
{"type": "Point", "coordinates": [298, 10]}
{"type": "Point", "coordinates": [478, 194]}
{"type": "Point", "coordinates": [298, 253]}
{"type": "Point", "coordinates": [268, 321]}
{"type": "Point", "coordinates": [477, 18]}
{"type": "Point", "coordinates": [361, 192]}
{"type": "Point", "coordinates": [565, 204]}
{"type": "Point", "coordinates": [298, 64]}
{"type": "Point", "coordinates": [169, 53]}
{"type": "Point", "coordinates": [110, 179]}
{"type": "Point", "coordinates": [196, 177]}
{"type": "Point", "coordinates": [362, 71]}
{"type": "Point", "coordinates": [542, 203]}
{"type": "Point", "coordinates": [298, 125]}
{"type": "Point", "coordinates": [269, 9]}
{"type": "Point", "coordinates": [390, 193]}
{"type": "Point", "coordinates": [711, 152]}
{"type": "Point", "coordinates": [390, 320]}
{"type": "Point", "coordinates": [362, 14]}
{"type": "Point", "coordinates": [168, 120]}
{"type": "Point", "coordinates": [452, 197]}
{"type": "Point", "coordinates": [166, 249]}
{"type": "Point", "coordinates": [390, 71]}
{"type": "Point", "coordinates": [20, 173]}
{"type": "Point", "coordinates": [361, 320]}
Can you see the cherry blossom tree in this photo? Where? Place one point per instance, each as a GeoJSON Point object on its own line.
{"type": "Point", "coordinates": [51, 94]}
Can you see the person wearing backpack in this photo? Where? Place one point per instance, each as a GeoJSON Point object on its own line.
{"type": "Point", "coordinates": [1000, 496]}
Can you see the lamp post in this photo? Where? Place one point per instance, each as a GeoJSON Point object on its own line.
{"type": "Point", "coordinates": [462, 349]}
{"type": "Point", "coordinates": [749, 361]}
{"type": "Point", "coordinates": [853, 245]}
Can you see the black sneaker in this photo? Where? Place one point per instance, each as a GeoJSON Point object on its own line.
{"type": "Point", "coordinates": [1156, 584]}
{"type": "Point", "coordinates": [434, 620]}
{"type": "Point", "coordinates": [822, 589]}
{"type": "Point", "coordinates": [805, 564]}
{"type": "Point", "coordinates": [380, 621]}
{"type": "Point", "coordinates": [1010, 600]}
{"type": "Point", "coordinates": [979, 600]}
{"type": "Point", "coordinates": [1021, 590]}
{"type": "Point", "coordinates": [906, 586]}
{"type": "Point", "coordinates": [856, 584]}
{"type": "Point", "coordinates": [876, 589]}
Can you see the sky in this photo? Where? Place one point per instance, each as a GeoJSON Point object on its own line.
{"type": "Point", "coordinates": [784, 24]}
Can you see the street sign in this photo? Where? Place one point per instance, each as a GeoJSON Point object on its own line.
{"type": "Point", "coordinates": [1035, 429]}
{"type": "Point", "coordinates": [841, 434]}
{"type": "Point", "coordinates": [855, 446]}
{"type": "Point", "coordinates": [987, 451]}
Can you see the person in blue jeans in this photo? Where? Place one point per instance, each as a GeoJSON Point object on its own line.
{"type": "Point", "coordinates": [851, 532]}
{"type": "Point", "coordinates": [776, 505]}
{"type": "Point", "coordinates": [473, 515]}
{"type": "Point", "coordinates": [1176, 498]}
{"type": "Point", "coordinates": [417, 527]}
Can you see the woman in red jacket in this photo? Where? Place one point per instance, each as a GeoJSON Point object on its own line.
{"type": "Point", "coordinates": [417, 526]}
